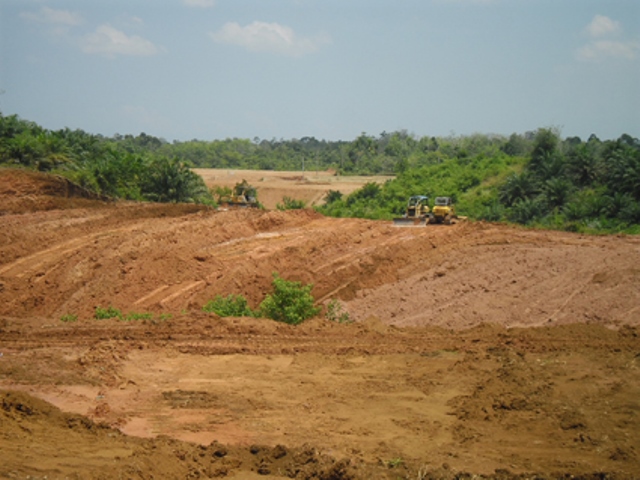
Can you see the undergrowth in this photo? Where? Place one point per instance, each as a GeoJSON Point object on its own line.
{"type": "Point", "coordinates": [291, 302]}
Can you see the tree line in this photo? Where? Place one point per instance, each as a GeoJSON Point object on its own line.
{"type": "Point", "coordinates": [102, 165]}
{"type": "Point", "coordinates": [534, 178]}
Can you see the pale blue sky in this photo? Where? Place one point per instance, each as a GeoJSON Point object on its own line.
{"type": "Point", "coordinates": [213, 69]}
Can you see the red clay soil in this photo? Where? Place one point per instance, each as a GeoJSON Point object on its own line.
{"type": "Point", "coordinates": [474, 349]}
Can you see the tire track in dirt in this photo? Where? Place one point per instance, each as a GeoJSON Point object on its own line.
{"type": "Point", "coordinates": [165, 294]}
{"type": "Point", "coordinates": [53, 254]}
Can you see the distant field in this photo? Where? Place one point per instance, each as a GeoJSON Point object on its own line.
{"type": "Point", "coordinates": [273, 186]}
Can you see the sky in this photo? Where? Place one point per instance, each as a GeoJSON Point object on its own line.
{"type": "Point", "coordinates": [329, 69]}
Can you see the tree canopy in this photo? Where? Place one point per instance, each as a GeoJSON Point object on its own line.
{"type": "Point", "coordinates": [534, 178]}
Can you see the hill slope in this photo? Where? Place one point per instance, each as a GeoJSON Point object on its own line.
{"type": "Point", "coordinates": [393, 393]}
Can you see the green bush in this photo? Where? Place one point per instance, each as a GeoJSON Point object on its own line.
{"type": "Point", "coordinates": [526, 210]}
{"type": "Point", "coordinates": [106, 313]}
{"type": "Point", "coordinates": [335, 313]}
{"type": "Point", "coordinates": [290, 302]}
{"type": "Point", "coordinates": [289, 203]}
{"type": "Point", "coordinates": [332, 196]}
{"type": "Point", "coordinates": [138, 316]}
{"type": "Point", "coordinates": [230, 306]}
{"type": "Point", "coordinates": [69, 317]}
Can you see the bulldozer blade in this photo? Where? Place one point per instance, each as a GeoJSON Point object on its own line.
{"type": "Point", "coordinates": [409, 222]}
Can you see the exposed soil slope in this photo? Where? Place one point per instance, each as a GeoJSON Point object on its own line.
{"type": "Point", "coordinates": [440, 373]}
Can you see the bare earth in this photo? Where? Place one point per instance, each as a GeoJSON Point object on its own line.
{"type": "Point", "coordinates": [308, 186]}
{"type": "Point", "coordinates": [476, 349]}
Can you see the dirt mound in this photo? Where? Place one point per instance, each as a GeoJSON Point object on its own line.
{"type": "Point", "coordinates": [439, 373]}
{"type": "Point", "coordinates": [166, 259]}
{"type": "Point", "coordinates": [28, 191]}
{"type": "Point", "coordinates": [76, 447]}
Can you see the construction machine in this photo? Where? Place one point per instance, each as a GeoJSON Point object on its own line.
{"type": "Point", "coordinates": [443, 211]}
{"type": "Point", "coordinates": [243, 195]}
{"type": "Point", "coordinates": [416, 213]}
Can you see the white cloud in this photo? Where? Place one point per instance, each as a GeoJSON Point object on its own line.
{"type": "Point", "coordinates": [55, 17]}
{"type": "Point", "coordinates": [268, 37]}
{"type": "Point", "coordinates": [602, 30]}
{"type": "Point", "coordinates": [131, 21]}
{"type": "Point", "coordinates": [199, 3]}
{"type": "Point", "coordinates": [111, 41]}
{"type": "Point", "coordinates": [601, 26]}
{"type": "Point", "coordinates": [601, 49]}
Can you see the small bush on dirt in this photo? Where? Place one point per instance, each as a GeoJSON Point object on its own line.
{"type": "Point", "coordinates": [106, 313]}
{"type": "Point", "coordinates": [290, 302]}
{"type": "Point", "coordinates": [335, 312]}
{"type": "Point", "coordinates": [333, 196]}
{"type": "Point", "coordinates": [230, 306]}
{"type": "Point", "coordinates": [289, 203]}
{"type": "Point", "coordinates": [138, 316]}
{"type": "Point", "coordinates": [69, 317]}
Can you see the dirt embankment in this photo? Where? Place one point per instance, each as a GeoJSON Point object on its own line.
{"type": "Point", "coordinates": [477, 349]}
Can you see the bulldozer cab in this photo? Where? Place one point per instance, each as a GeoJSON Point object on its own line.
{"type": "Point", "coordinates": [418, 200]}
{"type": "Point", "coordinates": [443, 201]}
{"type": "Point", "coordinates": [416, 211]}
{"type": "Point", "coordinates": [417, 206]}
{"type": "Point", "coordinates": [443, 211]}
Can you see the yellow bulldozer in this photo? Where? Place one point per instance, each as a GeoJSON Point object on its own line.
{"type": "Point", "coordinates": [416, 213]}
{"type": "Point", "coordinates": [243, 195]}
{"type": "Point", "coordinates": [443, 211]}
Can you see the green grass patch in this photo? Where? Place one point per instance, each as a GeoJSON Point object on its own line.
{"type": "Point", "coordinates": [230, 306]}
{"type": "Point", "coordinates": [291, 302]}
{"type": "Point", "coordinates": [133, 316]}
{"type": "Point", "coordinates": [107, 313]}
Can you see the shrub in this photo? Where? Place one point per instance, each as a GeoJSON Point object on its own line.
{"type": "Point", "coordinates": [138, 316]}
{"type": "Point", "coordinates": [69, 317]}
{"type": "Point", "coordinates": [335, 313]}
{"type": "Point", "coordinates": [230, 306]}
{"type": "Point", "coordinates": [526, 210]}
{"type": "Point", "coordinates": [332, 196]}
{"type": "Point", "coordinates": [289, 203]}
{"type": "Point", "coordinates": [492, 213]}
{"type": "Point", "coordinates": [630, 213]}
{"type": "Point", "coordinates": [106, 313]}
{"type": "Point", "coordinates": [290, 302]}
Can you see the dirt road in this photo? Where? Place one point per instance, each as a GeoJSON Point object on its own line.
{"type": "Point", "coordinates": [475, 349]}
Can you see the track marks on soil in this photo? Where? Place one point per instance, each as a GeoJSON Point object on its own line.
{"type": "Point", "coordinates": [165, 294]}
{"type": "Point", "coordinates": [53, 255]}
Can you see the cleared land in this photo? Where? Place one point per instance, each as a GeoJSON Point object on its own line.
{"type": "Point", "coordinates": [272, 187]}
{"type": "Point", "coordinates": [476, 348]}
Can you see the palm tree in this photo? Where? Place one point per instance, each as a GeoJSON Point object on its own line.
{"type": "Point", "coordinates": [518, 187]}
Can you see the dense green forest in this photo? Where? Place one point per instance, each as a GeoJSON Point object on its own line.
{"type": "Point", "coordinates": [533, 179]}
{"type": "Point", "coordinates": [536, 178]}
